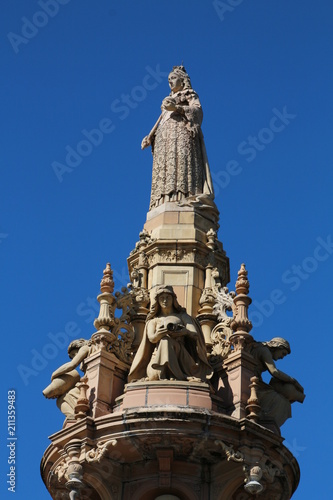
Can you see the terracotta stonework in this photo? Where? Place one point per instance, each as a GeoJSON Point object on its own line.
{"type": "Point", "coordinates": [165, 400]}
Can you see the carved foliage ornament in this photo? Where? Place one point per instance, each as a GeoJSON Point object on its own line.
{"type": "Point", "coordinates": [183, 255]}
{"type": "Point", "coordinates": [222, 332]}
{"type": "Point", "coordinates": [96, 454]}
{"type": "Point", "coordinates": [123, 331]}
{"type": "Point", "coordinates": [144, 241]}
{"type": "Point", "coordinates": [61, 470]}
{"type": "Point", "coordinates": [235, 456]}
{"type": "Point", "coordinates": [224, 303]}
{"type": "Point", "coordinates": [220, 337]}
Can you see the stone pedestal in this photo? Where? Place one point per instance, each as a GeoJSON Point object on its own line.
{"type": "Point", "coordinates": [106, 379]}
{"type": "Point", "coordinates": [234, 382]}
{"type": "Point", "coordinates": [177, 251]}
{"type": "Point", "coordinates": [160, 393]}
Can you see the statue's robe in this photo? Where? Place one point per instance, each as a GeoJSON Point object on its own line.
{"type": "Point", "coordinates": [179, 358]}
{"type": "Point", "coordinates": [180, 164]}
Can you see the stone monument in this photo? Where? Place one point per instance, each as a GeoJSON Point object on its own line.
{"type": "Point", "coordinates": [170, 402]}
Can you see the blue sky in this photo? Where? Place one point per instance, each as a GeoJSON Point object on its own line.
{"type": "Point", "coordinates": [263, 71]}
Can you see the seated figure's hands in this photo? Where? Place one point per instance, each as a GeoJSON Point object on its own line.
{"type": "Point", "coordinates": [161, 330]}
{"type": "Point", "coordinates": [177, 330]}
{"type": "Point", "coordinates": [62, 370]}
{"type": "Point", "coordinates": [56, 374]}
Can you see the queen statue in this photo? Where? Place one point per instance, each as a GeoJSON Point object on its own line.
{"type": "Point", "coordinates": [180, 165]}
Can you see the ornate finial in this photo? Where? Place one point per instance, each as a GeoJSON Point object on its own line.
{"type": "Point", "coordinates": [253, 405]}
{"type": "Point", "coordinates": [242, 283]}
{"type": "Point", "coordinates": [107, 283]}
{"type": "Point", "coordinates": [114, 334]}
{"type": "Point", "coordinates": [105, 320]}
{"type": "Point", "coordinates": [211, 238]}
{"type": "Point", "coordinates": [241, 324]}
{"type": "Point", "coordinates": [82, 404]}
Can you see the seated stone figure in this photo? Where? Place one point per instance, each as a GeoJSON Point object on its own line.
{"type": "Point", "coordinates": [65, 378]}
{"type": "Point", "coordinates": [173, 346]}
{"type": "Point", "coordinates": [276, 397]}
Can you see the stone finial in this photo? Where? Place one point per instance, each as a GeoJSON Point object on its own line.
{"type": "Point", "coordinates": [114, 334]}
{"type": "Point", "coordinates": [253, 405]}
{"type": "Point", "coordinates": [107, 283]}
{"type": "Point", "coordinates": [105, 318]}
{"type": "Point", "coordinates": [242, 283]}
{"type": "Point", "coordinates": [211, 238]}
{"type": "Point", "coordinates": [241, 324]}
{"type": "Point", "coordinates": [82, 404]}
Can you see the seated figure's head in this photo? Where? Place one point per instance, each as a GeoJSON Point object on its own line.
{"type": "Point", "coordinates": [163, 290]}
{"type": "Point", "coordinates": [279, 347]}
{"type": "Point", "coordinates": [75, 346]}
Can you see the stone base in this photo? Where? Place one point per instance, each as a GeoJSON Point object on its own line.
{"type": "Point", "coordinates": [176, 250]}
{"type": "Point", "coordinates": [185, 219]}
{"type": "Point", "coordinates": [106, 378]}
{"type": "Point", "coordinates": [144, 452]}
{"type": "Point", "coordinates": [160, 393]}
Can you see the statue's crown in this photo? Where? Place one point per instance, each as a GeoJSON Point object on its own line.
{"type": "Point", "coordinates": [180, 68]}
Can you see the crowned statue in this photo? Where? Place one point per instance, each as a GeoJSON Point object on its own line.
{"type": "Point", "coordinates": [180, 165]}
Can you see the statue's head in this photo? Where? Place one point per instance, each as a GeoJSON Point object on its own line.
{"type": "Point", "coordinates": [279, 347]}
{"type": "Point", "coordinates": [155, 307]}
{"type": "Point", "coordinates": [179, 79]}
{"type": "Point", "coordinates": [75, 346]}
